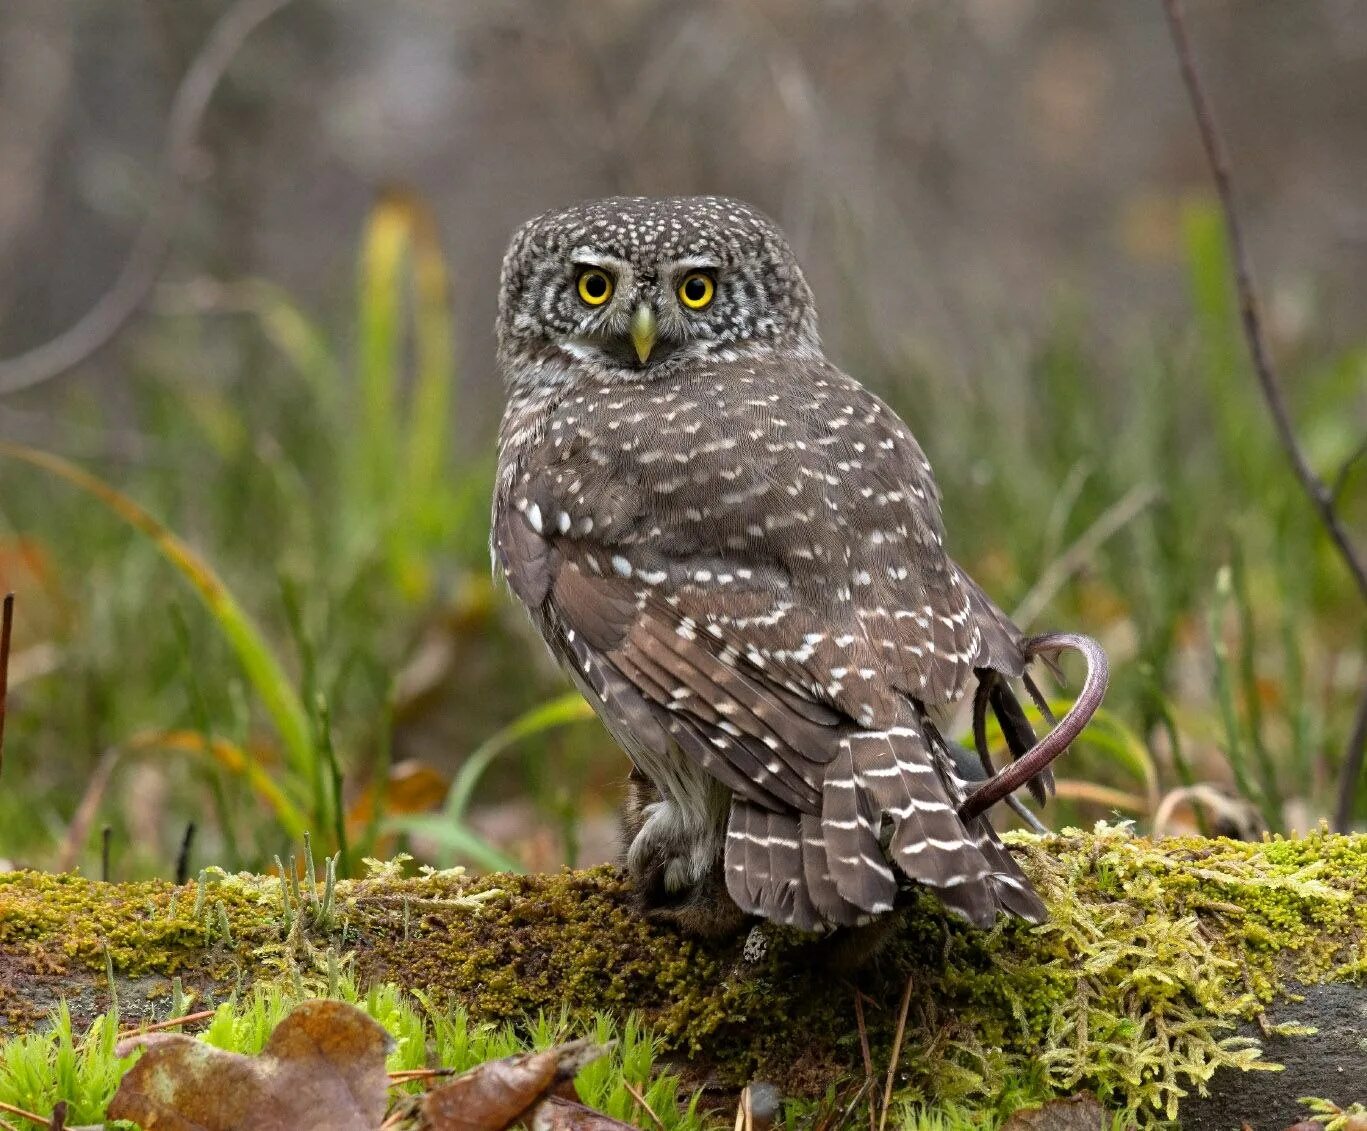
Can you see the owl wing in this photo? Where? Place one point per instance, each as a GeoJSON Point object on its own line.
{"type": "Point", "coordinates": [814, 773]}
{"type": "Point", "coordinates": [752, 568]}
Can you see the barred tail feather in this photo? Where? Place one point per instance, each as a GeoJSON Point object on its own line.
{"type": "Point", "coordinates": [902, 777]}
{"type": "Point", "coordinates": [826, 898]}
{"type": "Point", "coordinates": [1009, 884]}
{"type": "Point", "coordinates": [764, 866]}
{"type": "Point", "coordinates": [850, 828]}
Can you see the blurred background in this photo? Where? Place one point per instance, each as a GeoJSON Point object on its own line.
{"type": "Point", "coordinates": [248, 533]}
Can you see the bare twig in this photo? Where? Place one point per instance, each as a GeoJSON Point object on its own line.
{"type": "Point", "coordinates": [6, 629]}
{"type": "Point", "coordinates": [408, 1075]}
{"type": "Point", "coordinates": [1057, 574]}
{"type": "Point", "coordinates": [864, 1050]}
{"type": "Point", "coordinates": [1341, 479]}
{"type": "Point", "coordinates": [645, 1106]}
{"type": "Point", "coordinates": [22, 1114]}
{"type": "Point", "coordinates": [170, 1023]}
{"type": "Point", "coordinates": [866, 1088]}
{"type": "Point", "coordinates": [1353, 765]}
{"type": "Point", "coordinates": [896, 1053]}
{"type": "Point", "coordinates": [79, 827]}
{"type": "Point", "coordinates": [183, 856]}
{"type": "Point", "coordinates": [106, 836]}
{"type": "Point", "coordinates": [1056, 741]}
{"type": "Point", "coordinates": [1321, 496]}
{"type": "Point", "coordinates": [139, 273]}
{"type": "Point", "coordinates": [1315, 489]}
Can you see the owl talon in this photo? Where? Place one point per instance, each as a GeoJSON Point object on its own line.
{"type": "Point", "coordinates": [676, 873]}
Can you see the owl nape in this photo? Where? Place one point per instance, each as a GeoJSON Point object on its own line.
{"type": "Point", "coordinates": [737, 553]}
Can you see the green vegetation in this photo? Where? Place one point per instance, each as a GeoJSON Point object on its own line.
{"type": "Point", "coordinates": [1154, 952]}
{"type": "Point", "coordinates": [38, 1069]}
{"type": "Point", "coordinates": [263, 579]}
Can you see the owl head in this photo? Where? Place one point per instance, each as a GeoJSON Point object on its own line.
{"type": "Point", "coordinates": [633, 287]}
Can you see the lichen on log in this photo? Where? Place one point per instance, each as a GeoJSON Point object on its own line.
{"type": "Point", "coordinates": [1154, 956]}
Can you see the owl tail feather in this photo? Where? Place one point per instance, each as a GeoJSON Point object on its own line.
{"type": "Point", "coordinates": [815, 872]}
{"type": "Point", "coordinates": [765, 874]}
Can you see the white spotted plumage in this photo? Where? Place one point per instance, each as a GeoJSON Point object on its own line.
{"type": "Point", "coordinates": [737, 551]}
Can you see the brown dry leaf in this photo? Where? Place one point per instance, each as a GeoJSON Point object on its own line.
{"type": "Point", "coordinates": [496, 1095]}
{"type": "Point", "coordinates": [323, 1069]}
{"type": "Point", "coordinates": [557, 1114]}
{"type": "Point", "coordinates": [1077, 1113]}
{"type": "Point", "coordinates": [413, 787]}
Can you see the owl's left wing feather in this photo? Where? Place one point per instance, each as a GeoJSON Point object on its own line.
{"type": "Point", "coordinates": [811, 783]}
{"type": "Point", "coordinates": [762, 739]}
{"type": "Point", "coordinates": [759, 578]}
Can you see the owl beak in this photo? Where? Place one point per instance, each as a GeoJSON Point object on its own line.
{"type": "Point", "coordinates": [643, 330]}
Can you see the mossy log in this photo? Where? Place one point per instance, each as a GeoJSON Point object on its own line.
{"type": "Point", "coordinates": [1167, 969]}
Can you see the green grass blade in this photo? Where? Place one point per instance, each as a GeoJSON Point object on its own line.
{"type": "Point", "coordinates": [429, 423]}
{"type": "Point", "coordinates": [448, 827]}
{"type": "Point", "coordinates": [1229, 715]}
{"type": "Point", "coordinates": [405, 467]}
{"type": "Point", "coordinates": [384, 247]}
{"type": "Point", "coordinates": [456, 839]}
{"type": "Point", "coordinates": [568, 708]}
{"type": "Point", "coordinates": [233, 759]}
{"type": "Point", "coordinates": [1248, 675]}
{"type": "Point", "coordinates": [247, 641]}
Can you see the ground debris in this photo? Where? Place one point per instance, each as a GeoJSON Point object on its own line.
{"type": "Point", "coordinates": [323, 1069]}
{"type": "Point", "coordinates": [1081, 1112]}
{"type": "Point", "coordinates": [535, 1087]}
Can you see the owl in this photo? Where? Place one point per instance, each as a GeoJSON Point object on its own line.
{"type": "Point", "coordinates": [736, 552]}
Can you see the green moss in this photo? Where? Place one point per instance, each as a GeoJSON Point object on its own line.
{"type": "Point", "coordinates": [1154, 952]}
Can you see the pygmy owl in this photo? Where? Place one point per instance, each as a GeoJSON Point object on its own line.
{"type": "Point", "coordinates": [736, 551]}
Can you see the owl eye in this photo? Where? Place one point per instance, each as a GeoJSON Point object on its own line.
{"type": "Point", "coordinates": [696, 290]}
{"type": "Point", "coordinates": [595, 286]}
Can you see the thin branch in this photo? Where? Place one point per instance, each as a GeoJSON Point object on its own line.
{"type": "Point", "coordinates": [73, 842]}
{"type": "Point", "coordinates": [641, 1100]}
{"type": "Point", "coordinates": [1057, 574]}
{"type": "Point", "coordinates": [6, 629]}
{"type": "Point", "coordinates": [1341, 479]}
{"type": "Point", "coordinates": [1315, 489]}
{"type": "Point", "coordinates": [1351, 774]}
{"type": "Point", "coordinates": [864, 1051]}
{"type": "Point", "coordinates": [183, 856]}
{"type": "Point", "coordinates": [10, 1109]}
{"type": "Point", "coordinates": [896, 1053]}
{"type": "Point", "coordinates": [172, 1023]}
{"type": "Point", "coordinates": [102, 323]}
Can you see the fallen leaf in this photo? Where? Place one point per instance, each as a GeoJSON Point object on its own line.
{"type": "Point", "coordinates": [1076, 1113]}
{"type": "Point", "coordinates": [323, 1069]}
{"type": "Point", "coordinates": [497, 1094]}
{"type": "Point", "coordinates": [412, 787]}
{"type": "Point", "coordinates": [557, 1114]}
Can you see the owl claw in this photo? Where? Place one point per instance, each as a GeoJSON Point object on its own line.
{"type": "Point", "coordinates": [675, 870]}
{"type": "Point", "coordinates": [667, 855]}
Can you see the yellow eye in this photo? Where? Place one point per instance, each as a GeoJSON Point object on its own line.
{"type": "Point", "coordinates": [595, 286]}
{"type": "Point", "coordinates": [696, 290]}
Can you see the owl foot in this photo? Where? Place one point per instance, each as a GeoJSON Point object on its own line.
{"type": "Point", "coordinates": [676, 867]}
